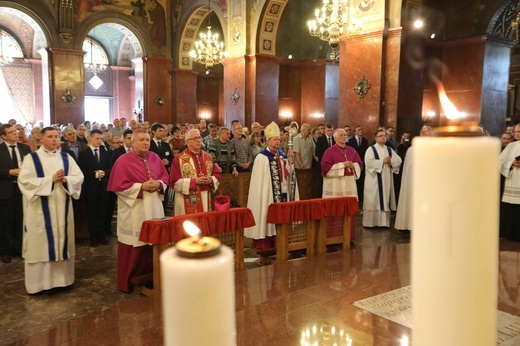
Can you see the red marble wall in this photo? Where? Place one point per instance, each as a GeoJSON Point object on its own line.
{"type": "Point", "coordinates": [66, 72]}
{"type": "Point", "coordinates": [313, 90]}
{"type": "Point", "coordinates": [124, 89]}
{"type": "Point", "coordinates": [208, 89]}
{"type": "Point", "coordinates": [158, 83]}
{"type": "Point", "coordinates": [267, 89]}
{"type": "Point", "coordinates": [234, 78]}
{"type": "Point", "coordinates": [361, 56]}
{"type": "Point", "coordinates": [290, 91]}
{"type": "Point", "coordinates": [391, 74]}
{"type": "Point", "coordinates": [185, 96]}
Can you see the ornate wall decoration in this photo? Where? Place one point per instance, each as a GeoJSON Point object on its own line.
{"type": "Point", "coordinates": [270, 24]}
{"type": "Point", "coordinates": [362, 86]}
{"type": "Point", "coordinates": [235, 96]}
{"type": "Point", "coordinates": [68, 98]}
{"type": "Point", "coordinates": [66, 37]}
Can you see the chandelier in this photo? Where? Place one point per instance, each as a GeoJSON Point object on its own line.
{"type": "Point", "coordinates": [208, 49]}
{"type": "Point", "coordinates": [329, 23]}
{"type": "Point", "coordinates": [94, 66]}
{"type": "Point", "coordinates": [5, 59]}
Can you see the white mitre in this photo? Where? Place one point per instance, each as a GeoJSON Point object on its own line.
{"type": "Point", "coordinates": [272, 130]}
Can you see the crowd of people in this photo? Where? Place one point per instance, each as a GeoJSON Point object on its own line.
{"type": "Point", "coordinates": [153, 171]}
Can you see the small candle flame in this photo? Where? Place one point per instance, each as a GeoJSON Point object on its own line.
{"type": "Point", "coordinates": [450, 110]}
{"type": "Point", "coordinates": [191, 229]}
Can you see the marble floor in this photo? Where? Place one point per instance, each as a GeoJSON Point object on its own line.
{"type": "Point", "coordinates": [276, 304]}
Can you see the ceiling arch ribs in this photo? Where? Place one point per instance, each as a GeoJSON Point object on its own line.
{"type": "Point", "coordinates": [269, 26]}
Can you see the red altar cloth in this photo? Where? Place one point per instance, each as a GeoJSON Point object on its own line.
{"type": "Point", "coordinates": [311, 209]}
{"type": "Point", "coordinates": [211, 222]}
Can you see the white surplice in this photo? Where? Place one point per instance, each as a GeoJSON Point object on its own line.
{"type": "Point", "coordinates": [41, 271]}
{"type": "Point", "coordinates": [512, 184]}
{"type": "Point", "coordinates": [373, 214]}
{"type": "Point", "coordinates": [403, 218]}
{"type": "Point", "coordinates": [261, 196]}
{"type": "Point", "coordinates": [132, 211]}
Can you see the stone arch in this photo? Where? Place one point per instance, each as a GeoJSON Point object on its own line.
{"type": "Point", "coordinates": [256, 16]}
{"type": "Point", "coordinates": [196, 14]}
{"type": "Point", "coordinates": [267, 33]}
{"type": "Point", "coordinates": [131, 30]}
{"type": "Point", "coordinates": [28, 26]}
{"type": "Point", "coordinates": [500, 23]}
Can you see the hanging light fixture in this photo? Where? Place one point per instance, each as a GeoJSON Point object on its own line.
{"type": "Point", "coordinates": [329, 23]}
{"type": "Point", "coordinates": [94, 66]}
{"type": "Point", "coordinates": [5, 59]}
{"type": "Point", "coordinates": [208, 49]}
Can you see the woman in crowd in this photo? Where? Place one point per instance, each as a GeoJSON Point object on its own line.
{"type": "Point", "coordinates": [256, 143]}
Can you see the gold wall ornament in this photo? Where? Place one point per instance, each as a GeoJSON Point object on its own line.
{"type": "Point", "coordinates": [66, 37]}
{"type": "Point", "coordinates": [515, 25]}
{"type": "Point", "coordinates": [235, 96]}
{"type": "Point", "coordinates": [68, 98]}
{"type": "Point", "coordinates": [160, 101]}
{"type": "Point", "coordinates": [362, 87]}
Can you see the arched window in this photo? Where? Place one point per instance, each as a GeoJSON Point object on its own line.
{"type": "Point", "coordinates": [94, 52]}
{"type": "Point", "coordinates": [9, 46]}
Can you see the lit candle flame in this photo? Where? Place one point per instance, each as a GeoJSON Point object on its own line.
{"type": "Point", "coordinates": [450, 110]}
{"type": "Point", "coordinates": [191, 229]}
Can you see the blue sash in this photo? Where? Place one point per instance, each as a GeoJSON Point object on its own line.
{"type": "Point", "coordinates": [46, 211]}
{"type": "Point", "coordinates": [380, 179]}
{"type": "Point", "coordinates": [276, 185]}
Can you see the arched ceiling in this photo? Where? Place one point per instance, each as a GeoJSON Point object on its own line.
{"type": "Point", "coordinates": [120, 44]}
{"type": "Point", "coordinates": [24, 29]}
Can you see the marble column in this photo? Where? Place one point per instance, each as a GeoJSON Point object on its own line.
{"type": "Point", "coordinates": [184, 96]}
{"type": "Point", "coordinates": [157, 85]}
{"type": "Point", "coordinates": [361, 57]}
{"type": "Point", "coordinates": [64, 70]}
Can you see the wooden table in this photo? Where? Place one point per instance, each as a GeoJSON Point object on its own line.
{"type": "Point", "coordinates": [308, 217]}
{"type": "Point", "coordinates": [164, 233]}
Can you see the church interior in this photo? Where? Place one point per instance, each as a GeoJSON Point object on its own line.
{"type": "Point", "coordinates": [64, 61]}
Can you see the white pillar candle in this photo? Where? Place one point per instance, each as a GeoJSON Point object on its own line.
{"type": "Point", "coordinates": [455, 240]}
{"type": "Point", "coordinates": [198, 298]}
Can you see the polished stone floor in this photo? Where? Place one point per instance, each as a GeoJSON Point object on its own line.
{"type": "Point", "coordinates": [276, 304]}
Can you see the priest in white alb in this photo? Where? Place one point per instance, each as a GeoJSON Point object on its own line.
{"type": "Point", "coordinates": [509, 167]}
{"type": "Point", "coordinates": [381, 162]}
{"type": "Point", "coordinates": [403, 217]}
{"type": "Point", "coordinates": [48, 180]}
{"type": "Point", "coordinates": [269, 183]}
{"type": "Point", "coordinates": [340, 167]}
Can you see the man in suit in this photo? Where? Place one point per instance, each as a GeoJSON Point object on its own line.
{"type": "Point", "coordinates": [119, 147]}
{"type": "Point", "coordinates": [127, 145]}
{"type": "Point", "coordinates": [324, 142]}
{"type": "Point", "coordinates": [11, 210]}
{"type": "Point", "coordinates": [95, 165]}
{"type": "Point", "coordinates": [159, 146]}
{"type": "Point", "coordinates": [71, 145]}
{"type": "Point", "coordinates": [107, 139]}
{"type": "Point", "coordinates": [162, 148]}
{"type": "Point", "coordinates": [80, 132]}
{"type": "Point", "coordinates": [360, 144]}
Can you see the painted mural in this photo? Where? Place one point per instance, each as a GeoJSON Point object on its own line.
{"type": "Point", "coordinates": [151, 12]}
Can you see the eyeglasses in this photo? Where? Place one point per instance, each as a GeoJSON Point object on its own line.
{"type": "Point", "coordinates": [11, 132]}
{"type": "Point", "coordinates": [194, 138]}
{"type": "Point", "coordinates": [381, 136]}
